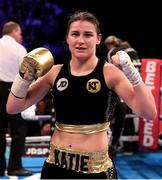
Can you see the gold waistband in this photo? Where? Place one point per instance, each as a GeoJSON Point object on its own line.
{"type": "Point", "coordinates": [82, 129]}
{"type": "Point", "coordinates": [86, 162]}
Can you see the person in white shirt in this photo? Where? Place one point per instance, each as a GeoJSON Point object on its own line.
{"type": "Point", "coordinates": [11, 55]}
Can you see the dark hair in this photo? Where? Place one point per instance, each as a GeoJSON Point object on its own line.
{"type": "Point", "coordinates": [83, 16]}
{"type": "Point", "coordinates": [9, 27]}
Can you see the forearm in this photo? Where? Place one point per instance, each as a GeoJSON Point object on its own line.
{"type": "Point", "coordinates": [145, 103]}
{"type": "Point", "coordinates": [14, 105]}
{"type": "Point", "coordinates": [34, 93]}
{"type": "Point", "coordinates": [17, 97]}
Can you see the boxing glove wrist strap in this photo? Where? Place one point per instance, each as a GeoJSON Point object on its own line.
{"type": "Point", "coordinates": [129, 69]}
{"type": "Point", "coordinates": [20, 87]}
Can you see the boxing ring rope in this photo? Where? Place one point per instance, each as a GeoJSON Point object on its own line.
{"type": "Point", "coordinates": [33, 139]}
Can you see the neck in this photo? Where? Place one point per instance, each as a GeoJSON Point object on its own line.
{"type": "Point", "coordinates": [79, 68]}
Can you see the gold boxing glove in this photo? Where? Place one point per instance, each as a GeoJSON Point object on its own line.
{"type": "Point", "coordinates": [35, 64]}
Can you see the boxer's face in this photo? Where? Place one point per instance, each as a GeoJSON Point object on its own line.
{"type": "Point", "coordinates": [82, 39]}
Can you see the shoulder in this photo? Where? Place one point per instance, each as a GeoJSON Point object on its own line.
{"type": "Point", "coordinates": [21, 50]}
{"type": "Point", "coordinates": [49, 78]}
{"type": "Point", "coordinates": [53, 73]}
{"type": "Point", "coordinates": [57, 68]}
{"type": "Point", "coordinates": [21, 47]}
{"type": "Point", "coordinates": [109, 67]}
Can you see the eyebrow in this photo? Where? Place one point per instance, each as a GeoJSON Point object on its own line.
{"type": "Point", "coordinates": [84, 31]}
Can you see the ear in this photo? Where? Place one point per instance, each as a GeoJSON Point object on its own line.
{"type": "Point", "coordinates": [99, 37]}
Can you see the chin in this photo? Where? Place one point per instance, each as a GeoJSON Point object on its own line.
{"type": "Point", "coordinates": [81, 57]}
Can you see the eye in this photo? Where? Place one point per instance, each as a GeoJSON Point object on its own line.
{"type": "Point", "coordinates": [88, 34]}
{"type": "Point", "coordinates": [75, 34]}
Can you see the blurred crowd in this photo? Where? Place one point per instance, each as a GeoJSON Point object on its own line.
{"type": "Point", "coordinates": [40, 21]}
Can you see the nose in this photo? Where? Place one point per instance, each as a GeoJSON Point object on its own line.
{"type": "Point", "coordinates": [81, 39]}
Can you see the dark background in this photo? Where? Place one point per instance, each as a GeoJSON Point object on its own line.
{"type": "Point", "coordinates": [44, 23]}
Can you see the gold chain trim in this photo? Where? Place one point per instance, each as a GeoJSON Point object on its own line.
{"type": "Point", "coordinates": [82, 129]}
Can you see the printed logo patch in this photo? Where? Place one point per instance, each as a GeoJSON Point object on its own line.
{"type": "Point", "coordinates": [62, 84]}
{"type": "Point", "coordinates": [93, 85]}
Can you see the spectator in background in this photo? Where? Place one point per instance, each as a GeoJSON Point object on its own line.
{"type": "Point", "coordinates": [11, 54]}
{"type": "Point", "coordinates": [121, 124]}
{"type": "Point", "coordinates": [38, 123]}
{"type": "Point", "coordinates": [115, 44]}
{"type": "Point", "coordinates": [29, 115]}
{"type": "Point", "coordinates": [44, 107]}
